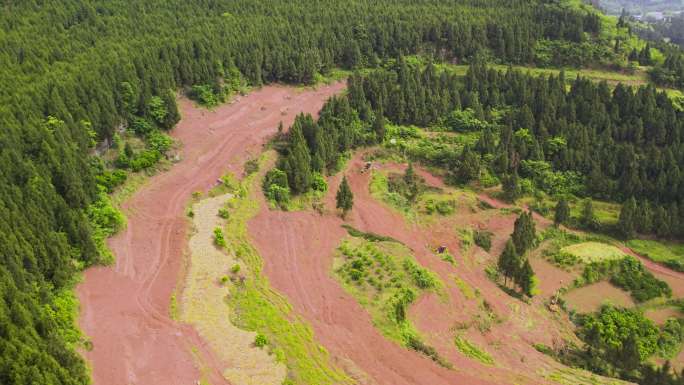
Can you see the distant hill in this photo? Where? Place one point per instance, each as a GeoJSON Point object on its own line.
{"type": "Point", "coordinates": [640, 7]}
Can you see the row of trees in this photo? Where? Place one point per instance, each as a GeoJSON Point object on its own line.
{"type": "Point", "coordinates": [513, 263]}
{"type": "Point", "coordinates": [645, 218]}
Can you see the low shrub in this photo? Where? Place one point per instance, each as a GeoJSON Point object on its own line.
{"type": "Point", "coordinates": [483, 239]}
{"type": "Point", "coordinates": [224, 213]}
{"type": "Point", "coordinates": [260, 340]}
{"type": "Point", "coordinates": [219, 239]}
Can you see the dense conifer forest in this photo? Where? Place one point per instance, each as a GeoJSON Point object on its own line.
{"type": "Point", "coordinates": [73, 72]}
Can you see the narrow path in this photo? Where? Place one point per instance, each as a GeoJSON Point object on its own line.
{"type": "Point", "coordinates": [125, 308]}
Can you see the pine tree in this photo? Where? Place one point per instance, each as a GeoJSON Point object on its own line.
{"type": "Point", "coordinates": [644, 219]}
{"type": "Point", "coordinates": [412, 183]}
{"type": "Point", "coordinates": [562, 213]}
{"type": "Point", "coordinates": [379, 126]}
{"type": "Point", "coordinates": [525, 278]}
{"type": "Point", "coordinates": [344, 197]}
{"type": "Point", "coordinates": [626, 222]}
{"type": "Point", "coordinates": [298, 161]}
{"type": "Point", "coordinates": [511, 186]}
{"type": "Point", "coordinates": [508, 261]}
{"type": "Point", "coordinates": [524, 234]}
{"type": "Point", "coordinates": [588, 218]}
{"type": "Point", "coordinates": [172, 114]}
{"type": "Point", "coordinates": [469, 166]}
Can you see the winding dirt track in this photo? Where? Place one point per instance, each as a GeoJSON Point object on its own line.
{"type": "Point", "coordinates": [125, 308]}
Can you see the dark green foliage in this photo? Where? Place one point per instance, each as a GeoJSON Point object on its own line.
{"type": "Point", "coordinates": [416, 344]}
{"type": "Point", "coordinates": [588, 218]}
{"type": "Point", "coordinates": [625, 141]}
{"type": "Point", "coordinates": [508, 260]}
{"type": "Point", "coordinates": [297, 163]}
{"type": "Point", "coordinates": [275, 186]}
{"type": "Point", "coordinates": [524, 278]}
{"type": "Point", "coordinates": [206, 95]}
{"type": "Point", "coordinates": [344, 197]}
{"type": "Point", "coordinates": [562, 212]}
{"type": "Point", "coordinates": [465, 120]}
{"type": "Point", "coordinates": [511, 186]}
{"type": "Point", "coordinates": [483, 239]}
{"type": "Point", "coordinates": [468, 168]}
{"type": "Point", "coordinates": [379, 126]}
{"type": "Point", "coordinates": [632, 276]}
{"type": "Point", "coordinates": [629, 274]}
{"type": "Point", "coordinates": [619, 337]}
{"type": "Point", "coordinates": [373, 237]}
{"type": "Point", "coordinates": [621, 342]}
{"type": "Point", "coordinates": [409, 185]}
{"type": "Point", "coordinates": [628, 216]}
{"type": "Point", "coordinates": [524, 234]}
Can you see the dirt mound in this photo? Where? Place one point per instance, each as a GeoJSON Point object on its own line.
{"type": "Point", "coordinates": [125, 308]}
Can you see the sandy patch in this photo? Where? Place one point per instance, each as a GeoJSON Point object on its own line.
{"type": "Point", "coordinates": [204, 304]}
{"type": "Point", "coordinates": [125, 307]}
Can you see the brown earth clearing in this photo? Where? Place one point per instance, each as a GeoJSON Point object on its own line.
{"type": "Point", "coordinates": [125, 307]}
{"type": "Point", "coordinates": [298, 250]}
{"type": "Point", "coordinates": [589, 298]}
{"type": "Point", "coordinates": [660, 315]}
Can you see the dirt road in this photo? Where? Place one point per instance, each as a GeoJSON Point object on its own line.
{"type": "Point", "coordinates": [125, 308]}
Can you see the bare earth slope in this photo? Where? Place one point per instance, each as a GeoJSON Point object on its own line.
{"type": "Point", "coordinates": [125, 308]}
{"type": "Point", "coordinates": [297, 248]}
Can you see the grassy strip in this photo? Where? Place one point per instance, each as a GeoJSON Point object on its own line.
{"type": "Point", "coordinates": [669, 254]}
{"type": "Point", "coordinates": [256, 306]}
{"type": "Point", "coordinates": [372, 237]}
{"type": "Point", "coordinates": [472, 351]}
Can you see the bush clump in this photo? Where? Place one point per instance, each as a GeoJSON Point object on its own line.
{"type": "Point", "coordinates": [219, 239]}
{"type": "Point", "coordinates": [483, 239]}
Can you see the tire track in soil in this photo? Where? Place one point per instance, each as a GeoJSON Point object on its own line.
{"type": "Point", "coordinates": [124, 308]}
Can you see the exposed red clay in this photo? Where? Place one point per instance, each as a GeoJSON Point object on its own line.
{"type": "Point", "coordinates": [297, 248]}
{"type": "Point", "coordinates": [125, 308]}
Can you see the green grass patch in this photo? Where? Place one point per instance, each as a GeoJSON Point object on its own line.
{"type": "Point", "coordinates": [667, 253]}
{"type": "Point", "coordinates": [465, 289]}
{"type": "Point", "coordinates": [379, 188]}
{"type": "Point", "coordinates": [471, 350]}
{"type": "Point", "coordinates": [373, 237]}
{"type": "Point", "coordinates": [256, 306]}
{"type": "Point", "coordinates": [385, 279]}
{"type": "Point", "coordinates": [591, 251]}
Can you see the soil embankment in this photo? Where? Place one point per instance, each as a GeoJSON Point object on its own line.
{"type": "Point", "coordinates": [125, 307]}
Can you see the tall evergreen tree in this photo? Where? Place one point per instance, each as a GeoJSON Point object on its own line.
{"type": "Point", "coordinates": [508, 261]}
{"type": "Point", "coordinates": [524, 235]}
{"type": "Point", "coordinates": [379, 125]}
{"type": "Point", "coordinates": [588, 217]}
{"type": "Point", "coordinates": [562, 212]}
{"type": "Point", "coordinates": [344, 197]}
{"type": "Point", "coordinates": [298, 161]}
{"type": "Point", "coordinates": [524, 278]}
{"type": "Point", "coordinates": [627, 219]}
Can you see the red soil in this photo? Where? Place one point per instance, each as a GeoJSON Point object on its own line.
{"type": "Point", "coordinates": [552, 278]}
{"type": "Point", "coordinates": [297, 248]}
{"type": "Point", "coordinates": [124, 308]}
